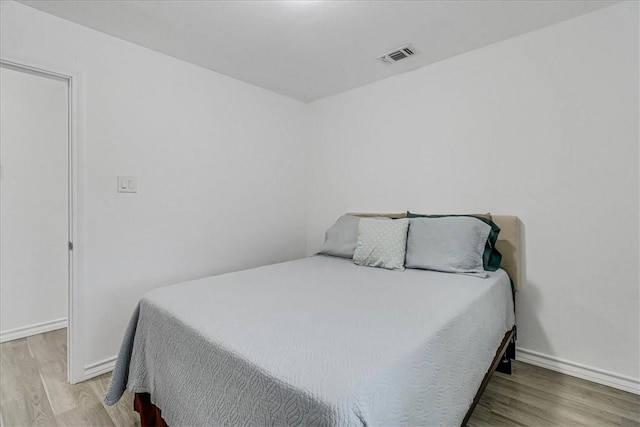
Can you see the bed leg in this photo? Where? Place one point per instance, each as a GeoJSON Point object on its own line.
{"type": "Point", "coordinates": [504, 366]}
{"type": "Point", "coordinates": [505, 363]}
{"type": "Point", "coordinates": [511, 349]}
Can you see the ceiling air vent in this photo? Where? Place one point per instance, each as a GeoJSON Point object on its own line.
{"type": "Point", "coordinates": [398, 54]}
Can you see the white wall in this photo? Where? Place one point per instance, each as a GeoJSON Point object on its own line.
{"type": "Point", "coordinates": [34, 230]}
{"type": "Point", "coordinates": [218, 163]}
{"type": "Point", "coordinates": [543, 126]}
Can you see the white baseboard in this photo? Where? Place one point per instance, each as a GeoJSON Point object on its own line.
{"type": "Point", "coordinates": [99, 368]}
{"type": "Point", "coordinates": [621, 382]}
{"type": "Point", "coordinates": [27, 331]}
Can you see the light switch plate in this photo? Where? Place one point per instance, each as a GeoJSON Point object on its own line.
{"type": "Point", "coordinates": [127, 184]}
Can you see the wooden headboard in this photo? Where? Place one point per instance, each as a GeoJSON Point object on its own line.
{"type": "Point", "coordinates": [508, 244]}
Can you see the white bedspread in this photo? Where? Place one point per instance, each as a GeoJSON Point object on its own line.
{"type": "Point", "coordinates": [317, 341]}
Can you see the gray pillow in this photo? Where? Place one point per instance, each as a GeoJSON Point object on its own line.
{"type": "Point", "coordinates": [340, 239]}
{"type": "Point", "coordinates": [381, 243]}
{"type": "Point", "coordinates": [450, 244]}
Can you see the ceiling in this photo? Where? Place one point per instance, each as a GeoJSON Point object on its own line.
{"type": "Point", "coordinates": [308, 50]}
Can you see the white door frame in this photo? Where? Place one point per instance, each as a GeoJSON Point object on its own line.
{"type": "Point", "coordinates": [75, 372]}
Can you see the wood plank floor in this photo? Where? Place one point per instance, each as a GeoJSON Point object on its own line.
{"type": "Point", "coordinates": [34, 389]}
{"type": "Point", "coordinates": [34, 392]}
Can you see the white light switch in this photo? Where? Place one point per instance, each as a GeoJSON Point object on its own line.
{"type": "Point", "coordinates": [127, 184]}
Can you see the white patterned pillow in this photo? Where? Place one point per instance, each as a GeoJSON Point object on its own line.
{"type": "Point", "coordinates": [381, 243]}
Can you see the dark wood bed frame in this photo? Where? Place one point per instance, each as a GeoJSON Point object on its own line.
{"type": "Point", "coordinates": [508, 244]}
{"type": "Point", "coordinates": [150, 414]}
{"type": "Point", "coordinates": [501, 363]}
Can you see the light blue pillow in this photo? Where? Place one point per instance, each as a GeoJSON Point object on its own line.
{"type": "Point", "coordinates": [381, 243]}
{"type": "Point", "coordinates": [453, 244]}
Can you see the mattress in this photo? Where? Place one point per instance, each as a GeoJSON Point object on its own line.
{"type": "Point", "coordinates": [316, 341]}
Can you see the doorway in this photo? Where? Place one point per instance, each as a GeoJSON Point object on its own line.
{"type": "Point", "coordinates": [35, 202]}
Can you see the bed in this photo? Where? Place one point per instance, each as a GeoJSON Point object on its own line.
{"type": "Point", "coordinates": [320, 341]}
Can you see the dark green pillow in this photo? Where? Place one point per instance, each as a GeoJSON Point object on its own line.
{"type": "Point", "coordinates": [491, 258]}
